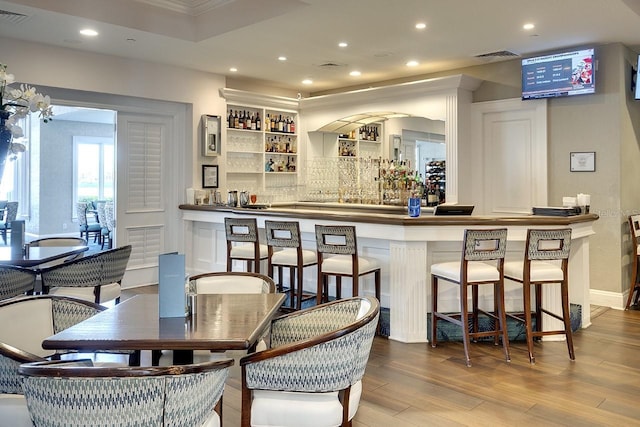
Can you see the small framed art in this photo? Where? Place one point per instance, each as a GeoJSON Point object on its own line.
{"type": "Point", "coordinates": [583, 161]}
{"type": "Point", "coordinates": [209, 176]}
{"type": "Point", "coordinates": [210, 135]}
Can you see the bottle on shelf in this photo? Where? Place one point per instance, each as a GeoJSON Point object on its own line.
{"type": "Point", "coordinates": [258, 121]}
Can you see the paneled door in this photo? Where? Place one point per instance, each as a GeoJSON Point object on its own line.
{"type": "Point", "coordinates": [149, 180]}
{"type": "Point", "coordinates": [511, 142]}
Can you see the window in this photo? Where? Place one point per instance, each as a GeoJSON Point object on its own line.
{"type": "Point", "coordinates": [93, 168]}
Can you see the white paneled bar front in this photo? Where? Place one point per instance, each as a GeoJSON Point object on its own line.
{"type": "Point", "coordinates": [406, 247]}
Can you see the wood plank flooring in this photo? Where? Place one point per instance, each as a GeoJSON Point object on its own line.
{"type": "Point", "coordinates": [416, 385]}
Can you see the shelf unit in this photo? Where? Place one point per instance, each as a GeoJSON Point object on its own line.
{"type": "Point", "coordinates": [435, 175]}
{"type": "Point", "coordinates": [362, 142]}
{"type": "Point", "coordinates": [262, 151]}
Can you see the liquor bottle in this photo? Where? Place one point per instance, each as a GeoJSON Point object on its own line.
{"type": "Point", "coordinates": [432, 197]}
{"type": "Point", "coordinates": [293, 126]}
{"type": "Point", "coordinates": [267, 123]}
{"type": "Point", "coordinates": [236, 120]}
{"type": "Point", "coordinates": [253, 122]}
{"type": "Point", "coordinates": [258, 121]}
{"type": "Point", "coordinates": [230, 119]}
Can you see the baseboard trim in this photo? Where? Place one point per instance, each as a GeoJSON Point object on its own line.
{"type": "Point", "coordinates": [615, 300]}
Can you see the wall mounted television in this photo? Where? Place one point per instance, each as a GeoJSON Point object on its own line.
{"type": "Point", "coordinates": [559, 74]}
{"type": "Point", "coordinates": [634, 79]}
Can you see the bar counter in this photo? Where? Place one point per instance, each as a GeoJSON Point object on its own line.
{"type": "Point", "coordinates": [405, 247]}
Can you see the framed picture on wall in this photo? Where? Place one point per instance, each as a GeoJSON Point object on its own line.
{"type": "Point", "coordinates": [583, 161]}
{"type": "Point", "coordinates": [210, 135]}
{"type": "Point", "coordinates": [209, 176]}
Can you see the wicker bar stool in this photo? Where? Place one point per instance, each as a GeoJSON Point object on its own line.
{"type": "Point", "coordinates": [482, 263]}
{"type": "Point", "coordinates": [243, 243]}
{"type": "Point", "coordinates": [338, 256]}
{"type": "Point", "coordinates": [285, 251]}
{"type": "Point", "coordinates": [538, 268]}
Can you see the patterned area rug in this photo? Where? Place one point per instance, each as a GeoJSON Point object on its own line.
{"type": "Point", "coordinates": [450, 332]}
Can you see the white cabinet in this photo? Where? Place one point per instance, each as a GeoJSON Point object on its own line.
{"type": "Point", "coordinates": [262, 152]}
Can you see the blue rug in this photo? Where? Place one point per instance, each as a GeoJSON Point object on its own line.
{"type": "Point", "coordinates": [450, 332]}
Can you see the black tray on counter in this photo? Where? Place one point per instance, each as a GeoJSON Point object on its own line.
{"type": "Point", "coordinates": [556, 211]}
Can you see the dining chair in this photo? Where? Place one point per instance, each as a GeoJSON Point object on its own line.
{"type": "Point", "coordinates": [95, 277]}
{"type": "Point", "coordinates": [102, 219]}
{"type": "Point", "coordinates": [16, 281]}
{"type": "Point", "coordinates": [482, 263]}
{"type": "Point", "coordinates": [58, 392]}
{"type": "Point", "coordinates": [634, 288]}
{"type": "Point", "coordinates": [285, 250]}
{"type": "Point", "coordinates": [87, 228]}
{"type": "Point", "coordinates": [231, 282]}
{"type": "Point", "coordinates": [243, 243]}
{"type": "Point", "coordinates": [337, 249]}
{"type": "Point", "coordinates": [545, 262]}
{"type": "Point", "coordinates": [10, 215]}
{"type": "Point", "coordinates": [311, 375]}
{"type": "Point", "coordinates": [110, 223]}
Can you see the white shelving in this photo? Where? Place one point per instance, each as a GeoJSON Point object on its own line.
{"type": "Point", "coordinates": [361, 142]}
{"type": "Point", "coordinates": [262, 151]}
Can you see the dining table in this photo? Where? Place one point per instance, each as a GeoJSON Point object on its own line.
{"type": "Point", "coordinates": [221, 322]}
{"type": "Point", "coordinates": [37, 255]}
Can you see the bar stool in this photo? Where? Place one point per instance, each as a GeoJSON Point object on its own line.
{"type": "Point", "coordinates": [535, 270]}
{"type": "Point", "coordinates": [339, 243]}
{"type": "Point", "coordinates": [634, 226]}
{"type": "Point", "coordinates": [478, 247]}
{"type": "Point", "coordinates": [284, 236]}
{"type": "Point", "coordinates": [243, 243]}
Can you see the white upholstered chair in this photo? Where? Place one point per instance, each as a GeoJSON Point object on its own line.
{"type": "Point", "coordinates": [32, 319]}
{"type": "Point", "coordinates": [231, 282]}
{"type": "Point", "coordinates": [312, 373]}
{"type": "Point", "coordinates": [186, 395]}
{"type": "Point", "coordinates": [16, 281]}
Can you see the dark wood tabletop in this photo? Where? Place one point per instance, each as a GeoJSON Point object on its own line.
{"type": "Point", "coordinates": [221, 322]}
{"type": "Point", "coordinates": [38, 255]}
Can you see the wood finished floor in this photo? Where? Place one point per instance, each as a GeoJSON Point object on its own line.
{"type": "Point", "coordinates": [416, 385]}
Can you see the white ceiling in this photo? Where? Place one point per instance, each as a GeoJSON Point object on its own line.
{"type": "Point", "coordinates": [215, 35]}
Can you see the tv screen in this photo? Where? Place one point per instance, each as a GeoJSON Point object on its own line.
{"type": "Point", "coordinates": [561, 74]}
{"type": "Point", "coordinates": [637, 81]}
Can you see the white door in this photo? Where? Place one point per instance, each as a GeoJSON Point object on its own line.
{"type": "Point", "coordinates": [149, 180]}
{"type": "Point", "coordinates": [511, 143]}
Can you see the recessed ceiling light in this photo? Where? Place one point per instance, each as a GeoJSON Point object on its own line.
{"type": "Point", "coordinates": [233, 69]}
{"type": "Point", "coordinates": [355, 73]}
{"type": "Point", "coordinates": [307, 82]}
{"type": "Point", "coordinates": [528, 26]}
{"type": "Point", "coordinates": [343, 44]}
{"type": "Point", "coordinates": [421, 26]}
{"type": "Point", "coordinates": [282, 58]}
{"type": "Point", "coordinates": [88, 32]}
{"type": "Point", "coordinates": [412, 63]}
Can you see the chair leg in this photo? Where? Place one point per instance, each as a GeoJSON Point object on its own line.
{"type": "Point", "coordinates": [564, 286]}
{"type": "Point", "coordinates": [292, 286]}
{"type": "Point", "coordinates": [320, 286]}
{"type": "Point", "coordinates": [526, 296]}
{"type": "Point", "coordinates": [464, 322]}
{"type": "Point", "coordinates": [434, 309]}
{"type": "Point", "coordinates": [502, 312]}
{"type": "Point", "coordinates": [634, 283]}
{"type": "Point", "coordinates": [339, 287]}
{"type": "Point", "coordinates": [474, 311]}
{"type": "Point", "coordinates": [300, 282]}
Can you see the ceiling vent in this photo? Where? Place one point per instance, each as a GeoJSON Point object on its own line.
{"type": "Point", "coordinates": [12, 17]}
{"type": "Point", "coordinates": [331, 65]}
{"type": "Point", "coordinates": [498, 54]}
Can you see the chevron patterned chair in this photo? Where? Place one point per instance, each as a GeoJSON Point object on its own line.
{"type": "Point", "coordinates": [32, 319]}
{"type": "Point", "coordinates": [94, 277]}
{"type": "Point", "coordinates": [66, 393]}
{"type": "Point", "coordinates": [311, 375]}
{"type": "Point", "coordinates": [15, 281]}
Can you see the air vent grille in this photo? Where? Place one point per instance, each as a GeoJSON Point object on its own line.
{"type": "Point", "coordinates": [12, 17]}
{"type": "Point", "coordinates": [498, 54]}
